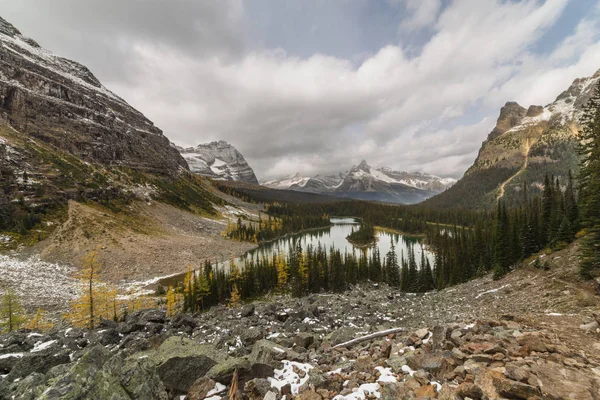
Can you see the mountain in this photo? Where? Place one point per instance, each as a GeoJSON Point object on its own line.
{"type": "Point", "coordinates": [218, 160]}
{"type": "Point", "coordinates": [60, 102]}
{"type": "Point", "coordinates": [367, 183]}
{"type": "Point", "coordinates": [525, 145]}
{"type": "Point", "coordinates": [64, 136]}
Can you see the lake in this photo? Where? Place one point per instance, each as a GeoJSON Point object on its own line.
{"type": "Point", "coordinates": [333, 236]}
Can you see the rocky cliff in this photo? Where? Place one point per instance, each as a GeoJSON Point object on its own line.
{"type": "Point", "coordinates": [218, 160]}
{"type": "Point", "coordinates": [60, 102]}
{"type": "Point", "coordinates": [525, 145]}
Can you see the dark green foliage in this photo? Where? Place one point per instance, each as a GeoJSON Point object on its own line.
{"type": "Point", "coordinates": [589, 187]}
{"type": "Point", "coordinates": [472, 191]}
{"type": "Point", "coordinates": [364, 235]}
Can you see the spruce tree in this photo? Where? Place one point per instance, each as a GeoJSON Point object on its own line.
{"type": "Point", "coordinates": [589, 186]}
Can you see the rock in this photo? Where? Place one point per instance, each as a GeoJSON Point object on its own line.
{"type": "Point", "coordinates": [39, 362]}
{"type": "Point", "coordinates": [557, 381]}
{"type": "Point", "coordinates": [470, 390]}
{"type": "Point", "coordinates": [310, 395]}
{"type": "Point", "coordinates": [178, 374]}
{"type": "Point", "coordinates": [534, 111]}
{"type": "Point", "coordinates": [153, 315]}
{"type": "Point", "coordinates": [393, 391]}
{"type": "Point", "coordinates": [590, 326]}
{"type": "Point", "coordinates": [130, 326]}
{"type": "Point", "coordinates": [247, 310]}
{"type": "Point", "coordinates": [437, 338]}
{"type": "Point", "coordinates": [223, 371]}
{"type": "Point", "coordinates": [270, 396]}
{"type": "Point", "coordinates": [447, 392]}
{"type": "Point", "coordinates": [256, 388]}
{"type": "Point", "coordinates": [200, 388]}
{"type": "Point", "coordinates": [267, 352]}
{"type": "Point", "coordinates": [108, 336]}
{"type": "Point", "coordinates": [251, 335]}
{"type": "Point", "coordinates": [517, 373]}
{"type": "Point", "coordinates": [180, 362]}
{"type": "Point", "coordinates": [341, 335]}
{"type": "Point", "coordinates": [304, 339]}
{"type": "Point", "coordinates": [364, 363]}
{"type": "Point", "coordinates": [426, 391]}
{"type": "Point", "coordinates": [8, 361]}
{"type": "Point", "coordinates": [422, 333]}
{"type": "Point", "coordinates": [184, 320]}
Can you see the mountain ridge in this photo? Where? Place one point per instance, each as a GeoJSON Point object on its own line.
{"type": "Point", "coordinates": [367, 183]}
{"type": "Point", "coordinates": [218, 160]}
{"type": "Point", "coordinates": [524, 146]}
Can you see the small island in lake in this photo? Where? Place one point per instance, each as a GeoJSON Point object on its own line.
{"type": "Point", "coordinates": [364, 236]}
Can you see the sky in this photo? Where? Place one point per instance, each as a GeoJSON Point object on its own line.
{"type": "Point", "coordinates": [315, 86]}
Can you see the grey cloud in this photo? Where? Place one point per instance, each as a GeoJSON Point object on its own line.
{"type": "Point", "coordinates": [201, 72]}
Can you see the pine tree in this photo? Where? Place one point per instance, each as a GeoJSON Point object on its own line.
{"type": "Point", "coordinates": [11, 311]}
{"type": "Point", "coordinates": [171, 303]}
{"type": "Point", "coordinates": [235, 298]}
{"type": "Point", "coordinates": [589, 186]}
{"type": "Point", "coordinates": [39, 322]}
{"type": "Point", "coordinates": [97, 301]}
{"type": "Point", "coordinates": [392, 267]}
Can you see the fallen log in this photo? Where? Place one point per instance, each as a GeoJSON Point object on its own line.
{"type": "Point", "coordinates": [370, 336]}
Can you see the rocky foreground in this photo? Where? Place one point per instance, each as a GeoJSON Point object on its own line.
{"type": "Point", "coordinates": [285, 347]}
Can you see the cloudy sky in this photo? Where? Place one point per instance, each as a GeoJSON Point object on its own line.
{"type": "Point", "coordinates": [314, 86]}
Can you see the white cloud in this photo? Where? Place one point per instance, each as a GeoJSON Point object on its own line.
{"type": "Point", "coordinates": [321, 113]}
{"type": "Point", "coordinates": [422, 13]}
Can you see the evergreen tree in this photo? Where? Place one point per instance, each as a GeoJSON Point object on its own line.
{"type": "Point", "coordinates": [392, 267]}
{"type": "Point", "coordinates": [589, 186]}
{"type": "Point", "coordinates": [11, 311]}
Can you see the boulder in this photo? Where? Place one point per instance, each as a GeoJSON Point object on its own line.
{"type": "Point", "coordinates": [180, 362]}
{"type": "Point", "coordinates": [304, 339]}
{"type": "Point", "coordinates": [247, 310]}
{"type": "Point", "coordinates": [223, 371]}
{"type": "Point", "coordinates": [8, 361]}
{"type": "Point", "coordinates": [251, 335]}
{"type": "Point", "coordinates": [39, 362]}
{"type": "Point", "coordinates": [267, 352]}
{"type": "Point", "coordinates": [200, 388]}
{"type": "Point", "coordinates": [178, 374]}
{"type": "Point", "coordinates": [184, 320]}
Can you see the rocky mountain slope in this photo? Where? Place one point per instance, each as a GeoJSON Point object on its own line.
{"type": "Point", "coordinates": [531, 335]}
{"type": "Point", "coordinates": [218, 160]}
{"type": "Point", "coordinates": [64, 136]}
{"type": "Point", "coordinates": [60, 102]}
{"type": "Point", "coordinates": [525, 145]}
{"type": "Point", "coordinates": [367, 183]}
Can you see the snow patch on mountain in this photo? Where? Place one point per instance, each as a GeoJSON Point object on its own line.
{"type": "Point", "coordinates": [382, 184]}
{"type": "Point", "coordinates": [218, 160]}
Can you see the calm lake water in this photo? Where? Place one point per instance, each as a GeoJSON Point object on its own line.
{"type": "Point", "coordinates": [333, 236]}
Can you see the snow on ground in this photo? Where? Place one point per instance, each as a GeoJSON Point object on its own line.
{"type": "Point", "coordinates": [39, 346]}
{"type": "Point", "coordinates": [490, 291]}
{"type": "Point", "coordinates": [289, 374]}
{"type": "Point", "coordinates": [38, 282]}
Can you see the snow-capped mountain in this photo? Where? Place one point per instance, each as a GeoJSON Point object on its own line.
{"type": "Point", "coordinates": [218, 160]}
{"type": "Point", "coordinates": [525, 145]}
{"type": "Point", "coordinates": [365, 182]}
{"type": "Point", "coordinates": [294, 181]}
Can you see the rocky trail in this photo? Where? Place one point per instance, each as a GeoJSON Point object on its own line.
{"type": "Point", "coordinates": [502, 188]}
{"type": "Point", "coordinates": [532, 335]}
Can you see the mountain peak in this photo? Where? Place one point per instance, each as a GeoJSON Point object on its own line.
{"type": "Point", "coordinates": [219, 160]}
